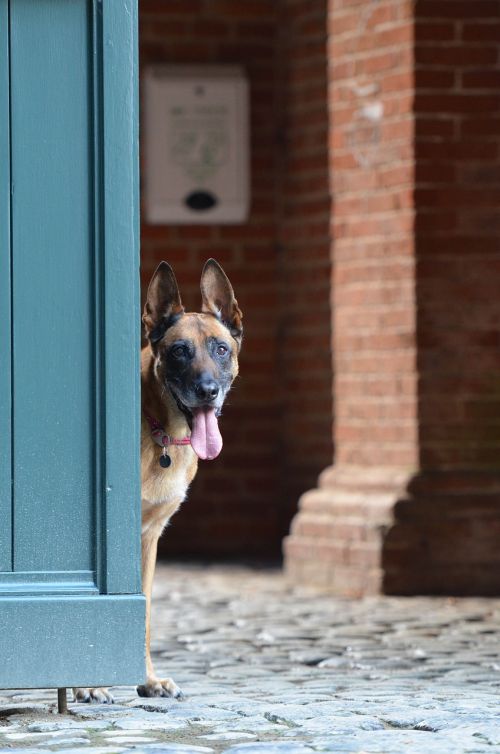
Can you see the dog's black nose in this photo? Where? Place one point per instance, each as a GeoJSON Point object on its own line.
{"type": "Point", "coordinates": [207, 390]}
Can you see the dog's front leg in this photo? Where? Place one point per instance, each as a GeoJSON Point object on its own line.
{"type": "Point", "coordinates": [154, 686]}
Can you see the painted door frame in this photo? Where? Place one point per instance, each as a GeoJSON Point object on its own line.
{"type": "Point", "coordinates": [57, 630]}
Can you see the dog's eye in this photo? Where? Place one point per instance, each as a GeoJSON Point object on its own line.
{"type": "Point", "coordinates": [222, 350]}
{"type": "Point", "coordinates": [178, 352]}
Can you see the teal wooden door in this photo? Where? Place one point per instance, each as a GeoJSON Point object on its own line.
{"type": "Point", "coordinates": [71, 609]}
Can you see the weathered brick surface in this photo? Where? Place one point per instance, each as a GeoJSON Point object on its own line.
{"type": "Point", "coordinates": [277, 425]}
{"type": "Point", "coordinates": [371, 134]}
{"type": "Point", "coordinates": [458, 238]}
{"type": "Point", "coordinates": [303, 196]}
{"type": "Point", "coordinates": [415, 139]}
{"type": "Point", "coordinates": [449, 522]}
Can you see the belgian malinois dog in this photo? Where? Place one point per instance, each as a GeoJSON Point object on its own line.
{"type": "Point", "coordinates": [187, 368]}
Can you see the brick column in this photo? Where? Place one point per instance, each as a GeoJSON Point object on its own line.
{"type": "Point", "coordinates": [412, 502]}
{"type": "Point", "coordinates": [449, 521]}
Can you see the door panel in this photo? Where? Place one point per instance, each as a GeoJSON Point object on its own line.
{"type": "Point", "coordinates": [71, 608]}
{"type": "Point", "coordinates": [45, 649]}
{"type": "Point", "coordinates": [5, 303]}
{"type": "Point", "coordinates": [52, 251]}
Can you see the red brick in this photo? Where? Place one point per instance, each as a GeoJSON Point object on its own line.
{"type": "Point", "coordinates": [457, 103]}
{"type": "Point", "coordinates": [435, 78]}
{"type": "Point", "coordinates": [157, 7]}
{"type": "Point", "coordinates": [488, 31]}
{"type": "Point", "coordinates": [456, 55]}
{"type": "Point", "coordinates": [432, 31]}
{"type": "Point", "coordinates": [482, 79]}
{"type": "Point", "coordinates": [458, 9]}
{"type": "Point", "coordinates": [436, 125]}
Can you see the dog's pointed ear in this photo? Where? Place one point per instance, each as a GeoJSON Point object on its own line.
{"type": "Point", "coordinates": [163, 303]}
{"type": "Point", "coordinates": [218, 298]}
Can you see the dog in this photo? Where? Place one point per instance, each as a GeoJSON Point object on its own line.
{"type": "Point", "coordinates": [187, 369]}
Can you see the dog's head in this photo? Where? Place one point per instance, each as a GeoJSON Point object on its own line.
{"type": "Point", "coordinates": [195, 354]}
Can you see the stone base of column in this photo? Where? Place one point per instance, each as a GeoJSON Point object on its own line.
{"type": "Point", "coordinates": [386, 531]}
{"type": "Point", "coordinates": [337, 537]}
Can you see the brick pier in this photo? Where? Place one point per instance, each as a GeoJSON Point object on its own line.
{"type": "Point", "coordinates": [412, 502]}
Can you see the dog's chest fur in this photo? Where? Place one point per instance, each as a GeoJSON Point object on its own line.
{"type": "Point", "coordinates": [163, 490]}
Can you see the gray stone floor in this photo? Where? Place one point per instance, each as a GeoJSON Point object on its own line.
{"type": "Point", "coordinates": [269, 669]}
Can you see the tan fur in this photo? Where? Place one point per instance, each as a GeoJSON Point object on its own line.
{"type": "Point", "coordinates": [163, 493]}
{"type": "Point", "coordinates": [164, 490]}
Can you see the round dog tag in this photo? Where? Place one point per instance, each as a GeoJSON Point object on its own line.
{"type": "Point", "coordinates": [165, 461]}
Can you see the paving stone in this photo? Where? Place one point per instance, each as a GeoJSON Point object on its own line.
{"type": "Point", "coordinates": [228, 735]}
{"type": "Point", "coordinates": [67, 742]}
{"type": "Point", "coordinates": [55, 728]}
{"type": "Point", "coordinates": [117, 739]}
{"type": "Point", "coordinates": [10, 710]}
{"type": "Point", "coordinates": [91, 711]}
{"type": "Point", "coordinates": [177, 749]}
{"type": "Point", "coordinates": [272, 669]}
{"type": "Point", "coordinates": [269, 747]}
{"type": "Point", "coordinates": [65, 724]}
{"type": "Point", "coordinates": [255, 725]}
{"type": "Point", "coordinates": [139, 725]}
{"type": "Point", "coordinates": [24, 751]}
{"type": "Point", "coordinates": [88, 750]}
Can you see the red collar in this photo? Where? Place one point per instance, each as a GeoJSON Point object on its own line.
{"type": "Point", "coordinates": [160, 436]}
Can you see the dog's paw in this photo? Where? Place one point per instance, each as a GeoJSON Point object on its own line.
{"type": "Point", "coordinates": [93, 696]}
{"type": "Point", "coordinates": [160, 687]}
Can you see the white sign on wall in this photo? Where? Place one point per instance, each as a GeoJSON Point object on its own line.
{"type": "Point", "coordinates": [196, 144]}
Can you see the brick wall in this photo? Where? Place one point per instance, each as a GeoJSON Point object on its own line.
{"type": "Point", "coordinates": [412, 503]}
{"type": "Point", "coordinates": [450, 521]}
{"type": "Point", "coordinates": [242, 503]}
{"type": "Point", "coordinates": [457, 106]}
{"type": "Point", "coordinates": [303, 196]}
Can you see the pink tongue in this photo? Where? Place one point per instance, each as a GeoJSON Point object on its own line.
{"type": "Point", "coordinates": [206, 439]}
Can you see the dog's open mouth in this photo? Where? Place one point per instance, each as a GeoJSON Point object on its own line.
{"type": "Point", "coordinates": [206, 439]}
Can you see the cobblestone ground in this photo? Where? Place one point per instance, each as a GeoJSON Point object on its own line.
{"type": "Point", "coordinates": [271, 670]}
